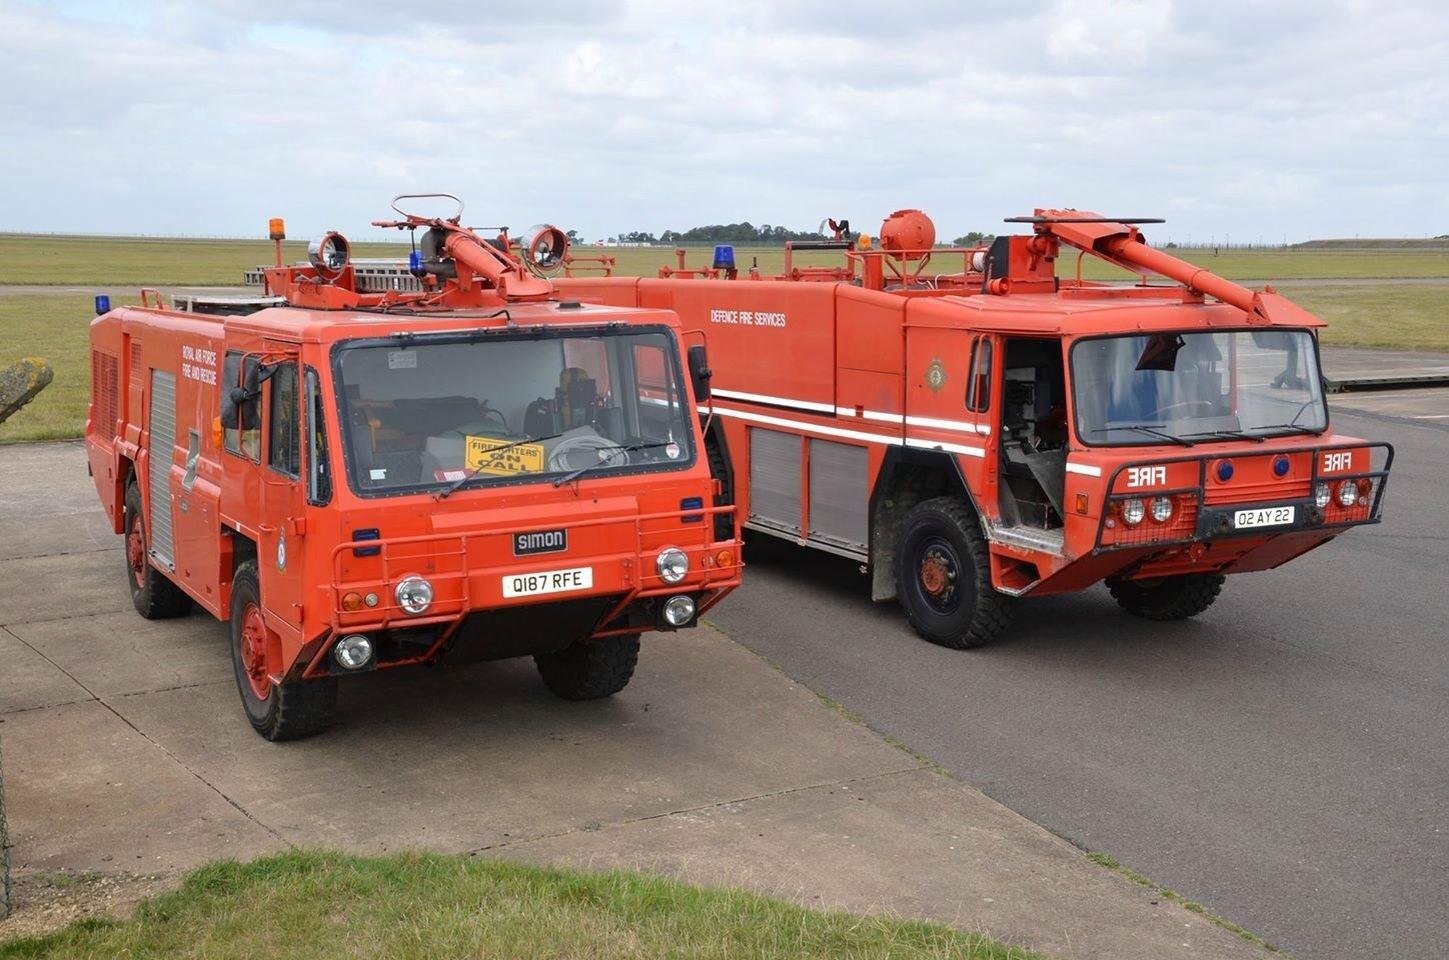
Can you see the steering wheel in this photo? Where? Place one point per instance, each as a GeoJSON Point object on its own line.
{"type": "Point", "coordinates": [1163, 412]}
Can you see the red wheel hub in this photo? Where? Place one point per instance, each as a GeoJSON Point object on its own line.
{"type": "Point", "coordinates": [136, 553]}
{"type": "Point", "coordinates": [935, 576]}
{"type": "Point", "coordinates": [254, 651]}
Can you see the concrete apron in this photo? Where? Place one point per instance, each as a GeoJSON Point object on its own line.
{"type": "Point", "coordinates": [126, 751]}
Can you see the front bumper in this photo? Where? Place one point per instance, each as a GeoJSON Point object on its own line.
{"type": "Point", "coordinates": [468, 571]}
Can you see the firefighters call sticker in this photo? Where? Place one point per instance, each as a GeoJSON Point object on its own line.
{"type": "Point", "coordinates": [491, 455]}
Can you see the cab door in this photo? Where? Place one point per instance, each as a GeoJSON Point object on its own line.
{"type": "Point", "coordinates": [282, 527]}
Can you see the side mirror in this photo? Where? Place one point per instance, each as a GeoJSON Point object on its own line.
{"type": "Point", "coordinates": [699, 373]}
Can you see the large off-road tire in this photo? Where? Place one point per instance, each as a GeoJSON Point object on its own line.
{"type": "Point", "coordinates": [1167, 598]}
{"type": "Point", "coordinates": [943, 576]}
{"type": "Point", "coordinates": [719, 469]}
{"type": "Point", "coordinates": [590, 669]}
{"type": "Point", "coordinates": [285, 711]}
{"type": "Point", "coordinates": [154, 595]}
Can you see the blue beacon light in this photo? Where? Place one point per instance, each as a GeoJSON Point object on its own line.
{"type": "Point", "coordinates": [103, 303]}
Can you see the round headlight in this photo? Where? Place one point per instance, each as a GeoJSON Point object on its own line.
{"type": "Point", "coordinates": [353, 652]}
{"type": "Point", "coordinates": [678, 611]}
{"type": "Point", "coordinates": [414, 594]}
{"type": "Point", "coordinates": [672, 564]}
{"type": "Point", "coordinates": [1347, 493]}
{"type": "Point", "coordinates": [1321, 495]}
{"type": "Point", "coordinates": [1161, 509]}
{"type": "Point", "coordinates": [1133, 511]}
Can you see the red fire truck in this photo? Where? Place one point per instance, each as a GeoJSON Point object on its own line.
{"type": "Point", "coordinates": [365, 476]}
{"type": "Point", "coordinates": [976, 429]}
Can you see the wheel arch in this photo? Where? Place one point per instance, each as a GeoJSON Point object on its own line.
{"type": "Point", "coordinates": [906, 477]}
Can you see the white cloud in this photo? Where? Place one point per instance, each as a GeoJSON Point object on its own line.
{"type": "Point", "coordinates": [1235, 117]}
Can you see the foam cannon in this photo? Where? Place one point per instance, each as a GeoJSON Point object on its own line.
{"type": "Point", "coordinates": [545, 249]}
{"type": "Point", "coordinates": [450, 249]}
{"type": "Point", "coordinates": [1118, 241]}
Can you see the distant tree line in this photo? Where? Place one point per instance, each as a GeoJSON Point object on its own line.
{"type": "Point", "coordinates": [741, 233]}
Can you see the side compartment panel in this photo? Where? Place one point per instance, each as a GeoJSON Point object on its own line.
{"type": "Point", "coordinates": [775, 478]}
{"type": "Point", "coordinates": [160, 454]}
{"type": "Point", "coordinates": [838, 497]}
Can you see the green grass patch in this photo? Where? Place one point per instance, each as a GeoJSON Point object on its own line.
{"type": "Point", "coordinates": [1284, 264]}
{"type": "Point", "coordinates": [1405, 315]}
{"type": "Point", "coordinates": [324, 905]}
{"type": "Point", "coordinates": [55, 329]}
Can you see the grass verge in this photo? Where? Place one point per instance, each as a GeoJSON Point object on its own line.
{"type": "Point", "coordinates": [324, 905]}
{"type": "Point", "coordinates": [1405, 315]}
{"type": "Point", "coordinates": [57, 330]}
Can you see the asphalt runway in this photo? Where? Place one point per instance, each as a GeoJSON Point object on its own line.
{"type": "Point", "coordinates": [1283, 759]}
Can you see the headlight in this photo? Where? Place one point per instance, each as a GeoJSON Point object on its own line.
{"type": "Point", "coordinates": [1161, 509]}
{"type": "Point", "coordinates": [678, 610]}
{"type": "Point", "coordinates": [353, 652]}
{"type": "Point", "coordinates": [672, 564]}
{"type": "Point", "coordinates": [1133, 511]}
{"type": "Point", "coordinates": [1347, 493]}
{"type": "Point", "coordinates": [414, 594]}
{"type": "Point", "coordinates": [1321, 495]}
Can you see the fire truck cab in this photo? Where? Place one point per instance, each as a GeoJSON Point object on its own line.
{"type": "Point", "coordinates": [469, 469]}
{"type": "Point", "coordinates": [974, 428]}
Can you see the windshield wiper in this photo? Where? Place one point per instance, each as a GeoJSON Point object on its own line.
{"type": "Point", "coordinates": [1148, 428]}
{"type": "Point", "coordinates": [604, 459]}
{"type": "Point", "coordinates": [1295, 427]}
{"type": "Point", "coordinates": [462, 481]}
{"type": "Point", "coordinates": [1226, 435]}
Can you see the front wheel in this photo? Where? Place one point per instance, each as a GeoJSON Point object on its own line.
{"type": "Point", "coordinates": [590, 669]}
{"type": "Point", "coordinates": [1167, 598]}
{"type": "Point", "coordinates": [277, 711]}
{"type": "Point", "coordinates": [943, 576]}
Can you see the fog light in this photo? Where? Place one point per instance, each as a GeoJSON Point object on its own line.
{"type": "Point", "coordinates": [1161, 509]}
{"type": "Point", "coordinates": [353, 652]}
{"type": "Point", "coordinates": [672, 564]}
{"type": "Point", "coordinates": [414, 594]}
{"type": "Point", "coordinates": [1133, 511]}
{"type": "Point", "coordinates": [1321, 495]}
{"type": "Point", "coordinates": [1347, 493]}
{"type": "Point", "coordinates": [678, 611]}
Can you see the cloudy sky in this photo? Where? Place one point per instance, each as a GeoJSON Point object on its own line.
{"type": "Point", "coordinates": [1248, 120]}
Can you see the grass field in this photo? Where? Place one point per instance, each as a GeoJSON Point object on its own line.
{"type": "Point", "coordinates": [322, 905]}
{"type": "Point", "coordinates": [43, 259]}
{"type": "Point", "coordinates": [54, 326]}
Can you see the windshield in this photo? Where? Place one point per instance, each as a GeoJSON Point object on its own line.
{"type": "Point", "coordinates": [451, 410]}
{"type": "Point", "coordinates": [1196, 387]}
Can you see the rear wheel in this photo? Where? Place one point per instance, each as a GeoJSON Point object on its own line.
{"type": "Point", "coordinates": [154, 596]}
{"type": "Point", "coordinates": [277, 711]}
{"type": "Point", "coordinates": [943, 576]}
{"type": "Point", "coordinates": [590, 669]}
{"type": "Point", "coordinates": [1167, 598]}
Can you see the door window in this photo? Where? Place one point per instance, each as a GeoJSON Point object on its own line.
{"type": "Point", "coordinates": [978, 383]}
{"type": "Point", "coordinates": [283, 439]}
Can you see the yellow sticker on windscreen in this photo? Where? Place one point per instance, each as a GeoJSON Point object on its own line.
{"type": "Point", "coordinates": [486, 455]}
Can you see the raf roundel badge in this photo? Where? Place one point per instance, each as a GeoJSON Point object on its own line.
{"type": "Point", "coordinates": [936, 374]}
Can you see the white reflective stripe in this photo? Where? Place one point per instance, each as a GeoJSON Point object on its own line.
{"type": "Point", "coordinates": [951, 447]}
{"type": "Point", "coordinates": [960, 425]}
{"type": "Point", "coordinates": [870, 414]}
{"type": "Point", "coordinates": [777, 401]}
{"type": "Point", "coordinates": [1085, 469]}
{"type": "Point", "coordinates": [915, 442]}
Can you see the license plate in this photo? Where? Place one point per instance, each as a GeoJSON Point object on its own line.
{"type": "Point", "coordinates": [548, 581]}
{"type": "Point", "coordinates": [1264, 517]}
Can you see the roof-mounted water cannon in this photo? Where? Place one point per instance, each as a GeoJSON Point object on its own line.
{"type": "Point", "coordinates": [545, 249]}
{"type": "Point", "coordinates": [907, 234]}
{"type": "Point", "coordinates": [330, 254]}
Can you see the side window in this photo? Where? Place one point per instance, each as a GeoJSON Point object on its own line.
{"type": "Point", "coordinates": [319, 476]}
{"type": "Point", "coordinates": [241, 420]}
{"type": "Point", "coordinates": [283, 440]}
{"type": "Point", "coordinates": [978, 384]}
